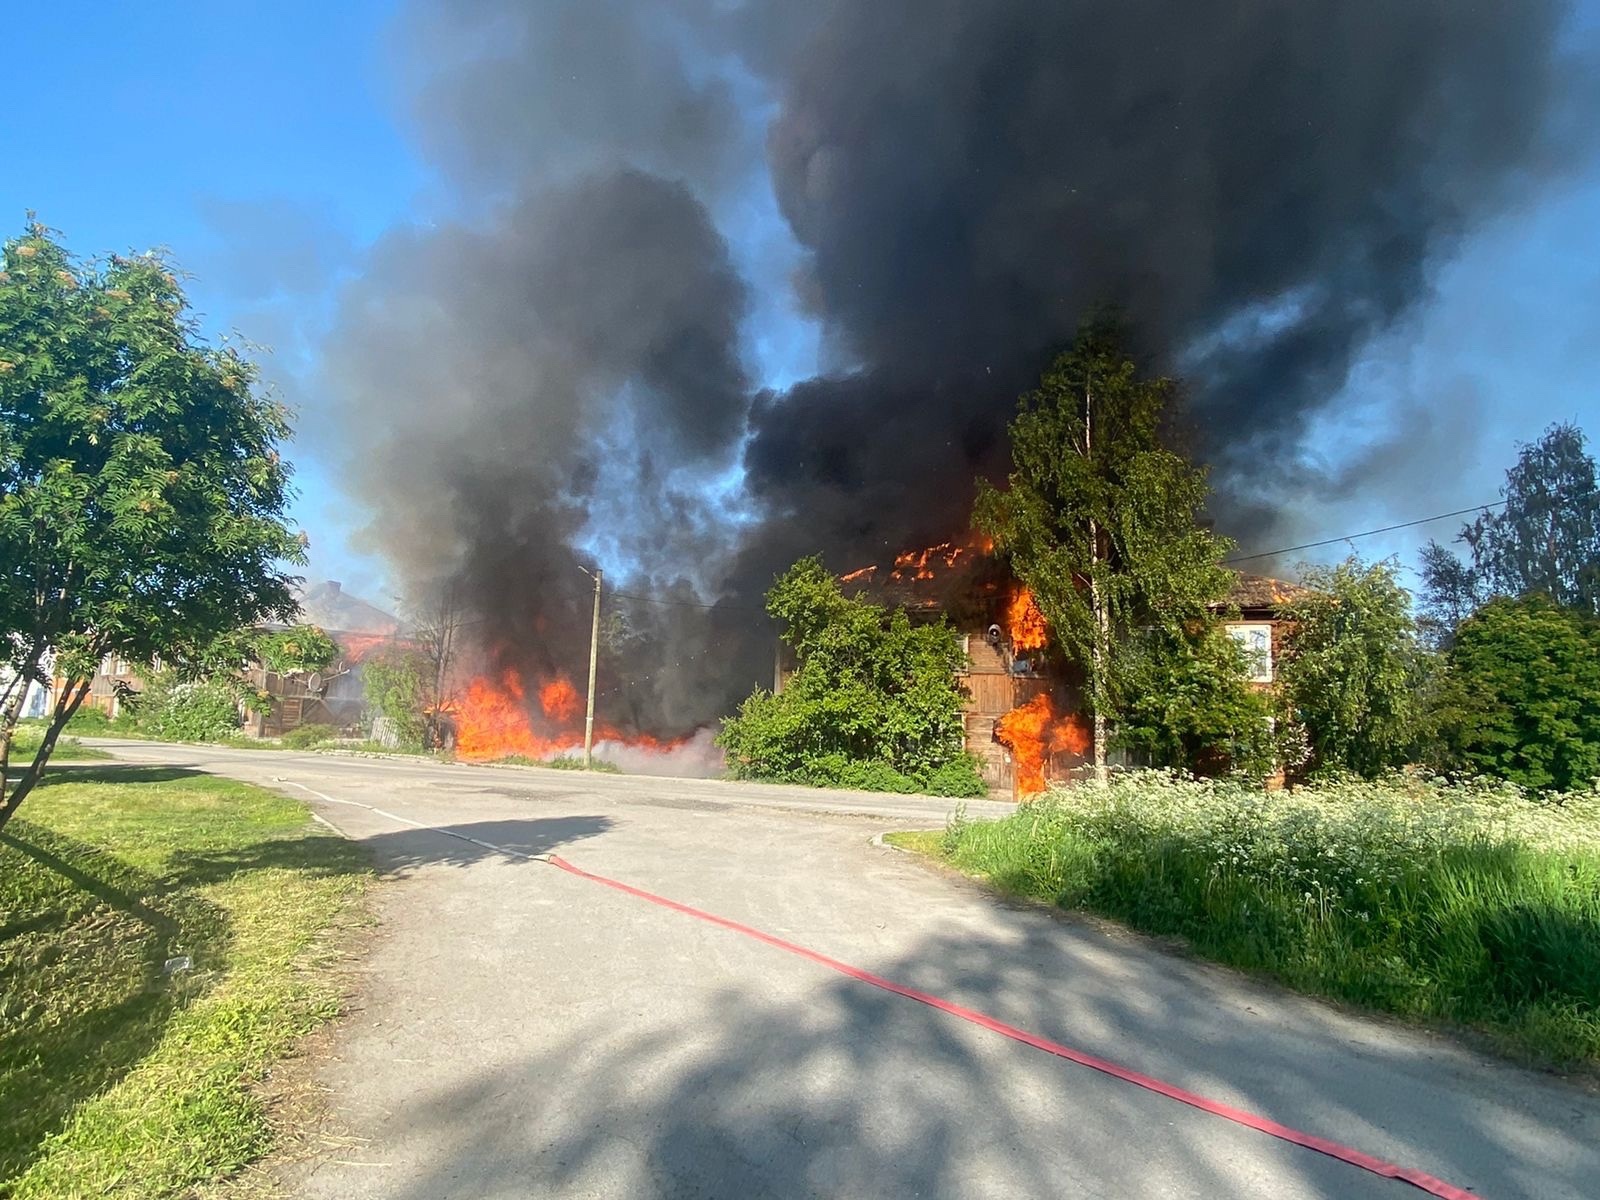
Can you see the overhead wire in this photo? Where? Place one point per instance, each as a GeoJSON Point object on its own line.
{"type": "Point", "coordinates": [1460, 512]}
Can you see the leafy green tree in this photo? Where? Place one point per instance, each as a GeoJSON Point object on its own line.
{"type": "Point", "coordinates": [1186, 703]}
{"type": "Point", "coordinates": [398, 683]}
{"type": "Point", "coordinates": [874, 702]}
{"type": "Point", "coordinates": [1100, 519]}
{"type": "Point", "coordinates": [300, 648]}
{"type": "Point", "coordinates": [142, 494]}
{"type": "Point", "coordinates": [1351, 670]}
{"type": "Point", "coordinates": [1545, 540]}
{"type": "Point", "coordinates": [1521, 697]}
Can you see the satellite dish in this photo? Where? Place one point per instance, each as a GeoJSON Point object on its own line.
{"type": "Point", "coordinates": [314, 682]}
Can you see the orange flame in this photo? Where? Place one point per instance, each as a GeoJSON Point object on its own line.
{"type": "Point", "coordinates": [1033, 733]}
{"type": "Point", "coordinates": [356, 648]}
{"type": "Point", "coordinates": [559, 699]}
{"type": "Point", "coordinates": [919, 564]}
{"type": "Point", "coordinates": [923, 564]}
{"type": "Point", "coordinates": [1024, 622]}
{"type": "Point", "coordinates": [495, 720]}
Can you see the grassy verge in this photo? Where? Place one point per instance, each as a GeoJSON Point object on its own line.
{"type": "Point", "coordinates": [1463, 904]}
{"type": "Point", "coordinates": [564, 762]}
{"type": "Point", "coordinates": [127, 1071]}
{"type": "Point", "coordinates": [68, 749]}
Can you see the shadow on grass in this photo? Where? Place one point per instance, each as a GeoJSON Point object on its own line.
{"type": "Point", "coordinates": [82, 977]}
{"type": "Point", "coordinates": [104, 772]}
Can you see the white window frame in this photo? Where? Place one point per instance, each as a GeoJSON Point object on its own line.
{"type": "Point", "coordinates": [1256, 638]}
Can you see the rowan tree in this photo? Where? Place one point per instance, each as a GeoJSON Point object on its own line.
{"type": "Point", "coordinates": [142, 492]}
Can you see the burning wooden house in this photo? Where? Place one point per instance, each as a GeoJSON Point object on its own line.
{"type": "Point", "coordinates": [1025, 709]}
{"type": "Point", "coordinates": [335, 697]}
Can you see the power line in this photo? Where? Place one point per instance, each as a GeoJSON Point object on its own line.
{"type": "Point", "coordinates": [1460, 512]}
{"type": "Point", "coordinates": [683, 603]}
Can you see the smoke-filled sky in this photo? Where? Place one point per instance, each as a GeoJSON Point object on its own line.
{"type": "Point", "coordinates": [690, 288]}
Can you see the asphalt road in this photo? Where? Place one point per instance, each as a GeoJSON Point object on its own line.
{"type": "Point", "coordinates": [523, 1032]}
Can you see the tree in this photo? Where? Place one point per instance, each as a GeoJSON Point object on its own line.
{"type": "Point", "coordinates": [1545, 540]}
{"type": "Point", "coordinates": [398, 682]}
{"type": "Point", "coordinates": [142, 494]}
{"type": "Point", "coordinates": [1100, 519]}
{"type": "Point", "coordinates": [1351, 669]}
{"type": "Point", "coordinates": [1186, 703]}
{"type": "Point", "coordinates": [874, 702]}
{"type": "Point", "coordinates": [296, 650]}
{"type": "Point", "coordinates": [1521, 696]}
{"type": "Point", "coordinates": [434, 626]}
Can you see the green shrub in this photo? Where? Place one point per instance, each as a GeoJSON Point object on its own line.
{"type": "Point", "coordinates": [1472, 903]}
{"type": "Point", "coordinates": [397, 682]}
{"type": "Point", "coordinates": [874, 704]}
{"type": "Point", "coordinates": [188, 710]}
{"type": "Point", "coordinates": [1520, 699]}
{"type": "Point", "coordinates": [303, 737]}
{"type": "Point", "coordinates": [90, 721]}
{"type": "Point", "coordinates": [958, 777]}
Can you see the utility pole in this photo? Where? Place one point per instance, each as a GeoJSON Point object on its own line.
{"type": "Point", "coordinates": [594, 658]}
{"type": "Point", "coordinates": [1102, 624]}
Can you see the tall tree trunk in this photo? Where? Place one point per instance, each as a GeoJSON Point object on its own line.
{"type": "Point", "coordinates": [1098, 660]}
{"type": "Point", "coordinates": [1098, 663]}
{"type": "Point", "coordinates": [12, 795]}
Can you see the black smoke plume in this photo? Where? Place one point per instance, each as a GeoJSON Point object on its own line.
{"type": "Point", "coordinates": [564, 367]}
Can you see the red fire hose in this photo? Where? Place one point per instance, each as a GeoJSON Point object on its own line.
{"type": "Point", "coordinates": [1377, 1166]}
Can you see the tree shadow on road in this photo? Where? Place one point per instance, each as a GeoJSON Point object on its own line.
{"type": "Point", "coordinates": [841, 1089]}
{"type": "Point", "coordinates": [404, 850]}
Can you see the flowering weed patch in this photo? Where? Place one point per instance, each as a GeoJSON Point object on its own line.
{"type": "Point", "coordinates": [1470, 903]}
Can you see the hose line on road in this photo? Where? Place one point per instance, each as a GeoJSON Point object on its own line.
{"type": "Point", "coordinates": [1346, 1154]}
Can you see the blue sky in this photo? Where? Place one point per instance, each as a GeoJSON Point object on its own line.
{"type": "Point", "coordinates": [267, 145]}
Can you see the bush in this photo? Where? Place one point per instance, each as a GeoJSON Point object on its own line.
{"type": "Point", "coordinates": [1520, 699]}
{"type": "Point", "coordinates": [1472, 903]}
{"type": "Point", "coordinates": [1352, 671]}
{"type": "Point", "coordinates": [90, 721]}
{"type": "Point", "coordinates": [958, 777]}
{"type": "Point", "coordinates": [874, 703]}
{"type": "Point", "coordinates": [396, 683]}
{"type": "Point", "coordinates": [303, 737]}
{"type": "Point", "coordinates": [188, 711]}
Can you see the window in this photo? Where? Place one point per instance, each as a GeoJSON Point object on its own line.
{"type": "Point", "coordinates": [1257, 643]}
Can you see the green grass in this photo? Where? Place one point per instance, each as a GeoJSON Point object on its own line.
{"type": "Point", "coordinates": [919, 841]}
{"type": "Point", "coordinates": [119, 1077]}
{"type": "Point", "coordinates": [68, 749]}
{"type": "Point", "coordinates": [1466, 905]}
{"type": "Point", "coordinates": [381, 748]}
{"type": "Point", "coordinates": [565, 762]}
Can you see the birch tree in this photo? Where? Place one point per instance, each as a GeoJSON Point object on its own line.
{"type": "Point", "coordinates": [1100, 518]}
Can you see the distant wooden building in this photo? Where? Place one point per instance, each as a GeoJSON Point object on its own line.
{"type": "Point", "coordinates": [335, 697]}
